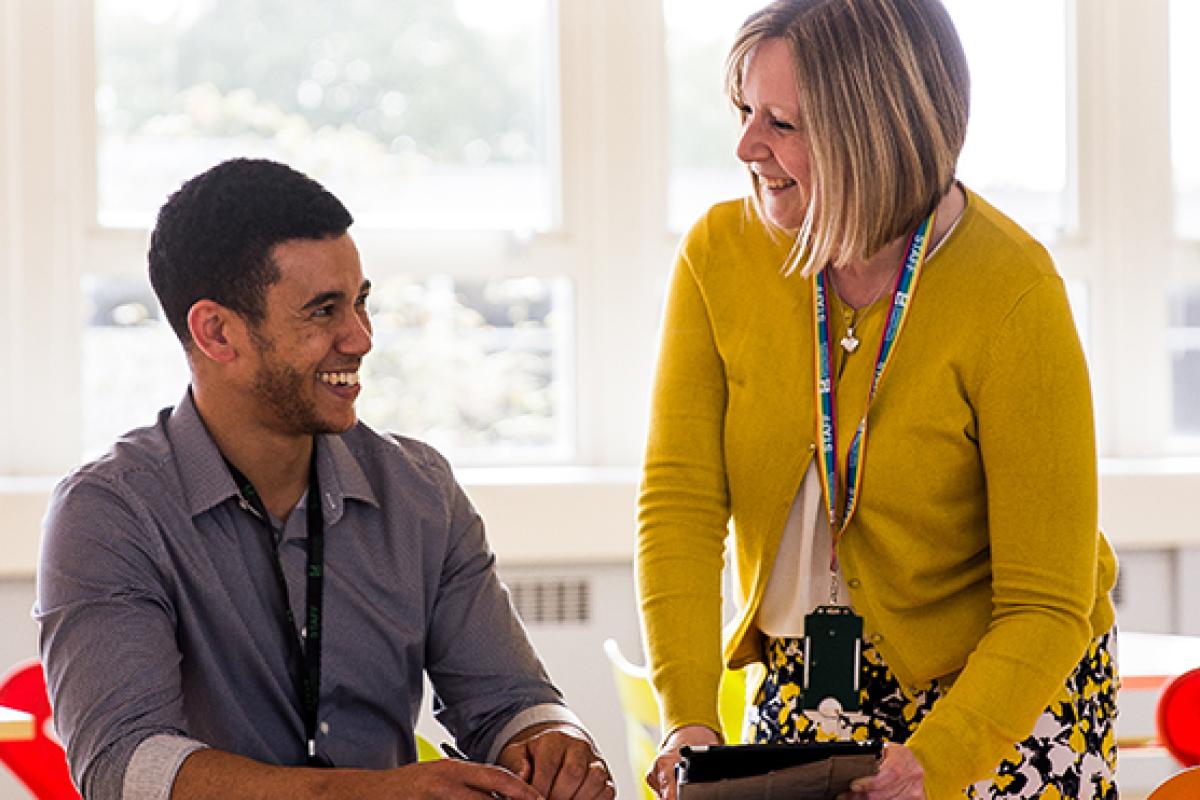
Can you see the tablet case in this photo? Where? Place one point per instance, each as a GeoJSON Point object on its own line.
{"type": "Point", "coordinates": [818, 771]}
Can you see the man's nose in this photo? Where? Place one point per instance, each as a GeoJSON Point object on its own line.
{"type": "Point", "coordinates": [355, 338]}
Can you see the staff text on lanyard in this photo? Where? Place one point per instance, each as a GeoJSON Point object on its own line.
{"type": "Point", "coordinates": [902, 293]}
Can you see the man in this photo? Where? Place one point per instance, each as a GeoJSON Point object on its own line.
{"type": "Point", "coordinates": [240, 600]}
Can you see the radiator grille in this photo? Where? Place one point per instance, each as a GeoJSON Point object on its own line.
{"type": "Point", "coordinates": [552, 601]}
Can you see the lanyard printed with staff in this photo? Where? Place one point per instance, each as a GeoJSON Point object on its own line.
{"type": "Point", "coordinates": [307, 647]}
{"type": "Point", "coordinates": [906, 283]}
{"type": "Point", "coordinates": [831, 680]}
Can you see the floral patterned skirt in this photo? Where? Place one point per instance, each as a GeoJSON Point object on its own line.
{"type": "Point", "coordinates": [1071, 753]}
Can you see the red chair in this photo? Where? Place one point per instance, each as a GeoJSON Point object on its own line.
{"type": "Point", "coordinates": [1179, 719]}
{"type": "Point", "coordinates": [1180, 786]}
{"type": "Point", "coordinates": [39, 763]}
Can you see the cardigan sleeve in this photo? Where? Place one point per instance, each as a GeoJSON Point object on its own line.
{"type": "Point", "coordinates": [1037, 444]}
{"type": "Point", "coordinates": [683, 505]}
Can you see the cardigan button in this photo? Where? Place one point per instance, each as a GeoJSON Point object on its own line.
{"type": "Point", "coordinates": [876, 638]}
{"type": "Point", "coordinates": [854, 583]}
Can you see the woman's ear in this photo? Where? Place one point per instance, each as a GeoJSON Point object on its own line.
{"type": "Point", "coordinates": [211, 325]}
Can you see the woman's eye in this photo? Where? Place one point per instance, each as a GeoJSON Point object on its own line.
{"type": "Point", "coordinates": [782, 125]}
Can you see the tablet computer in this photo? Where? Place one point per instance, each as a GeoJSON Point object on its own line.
{"type": "Point", "coordinates": [731, 761]}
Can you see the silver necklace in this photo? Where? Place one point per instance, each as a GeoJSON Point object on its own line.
{"type": "Point", "coordinates": [850, 341]}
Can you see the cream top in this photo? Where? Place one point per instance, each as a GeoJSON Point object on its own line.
{"type": "Point", "coordinates": [800, 575]}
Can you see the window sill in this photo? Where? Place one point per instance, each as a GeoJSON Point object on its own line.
{"type": "Point", "coordinates": [585, 515]}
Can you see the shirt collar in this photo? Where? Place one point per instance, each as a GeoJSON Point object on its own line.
{"type": "Point", "coordinates": [207, 482]}
{"type": "Point", "coordinates": [342, 477]}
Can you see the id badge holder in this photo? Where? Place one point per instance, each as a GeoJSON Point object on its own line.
{"type": "Point", "coordinates": [832, 659]}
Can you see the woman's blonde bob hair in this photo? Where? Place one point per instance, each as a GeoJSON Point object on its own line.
{"type": "Point", "coordinates": [884, 95]}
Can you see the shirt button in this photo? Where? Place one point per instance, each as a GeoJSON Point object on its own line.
{"type": "Point", "coordinates": [854, 583]}
{"type": "Point", "coordinates": [325, 727]}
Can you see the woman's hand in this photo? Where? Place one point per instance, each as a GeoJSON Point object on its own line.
{"type": "Point", "coordinates": [661, 777]}
{"type": "Point", "coordinates": [900, 777]}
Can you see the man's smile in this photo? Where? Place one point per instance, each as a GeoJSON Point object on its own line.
{"type": "Point", "coordinates": [339, 378]}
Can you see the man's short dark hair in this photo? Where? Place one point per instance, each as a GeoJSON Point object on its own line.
{"type": "Point", "coordinates": [213, 238]}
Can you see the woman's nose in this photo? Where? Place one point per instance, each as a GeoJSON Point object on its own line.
{"type": "Point", "coordinates": [750, 147]}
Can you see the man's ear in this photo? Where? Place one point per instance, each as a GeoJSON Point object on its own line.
{"type": "Point", "coordinates": [213, 329]}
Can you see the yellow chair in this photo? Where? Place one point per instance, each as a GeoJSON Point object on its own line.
{"type": "Point", "coordinates": [640, 708]}
{"type": "Point", "coordinates": [427, 750]}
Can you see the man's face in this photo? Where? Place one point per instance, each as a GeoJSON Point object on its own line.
{"type": "Point", "coordinates": [311, 343]}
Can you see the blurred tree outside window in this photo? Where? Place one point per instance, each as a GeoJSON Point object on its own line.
{"type": "Point", "coordinates": [420, 115]}
{"type": "Point", "coordinates": [477, 367]}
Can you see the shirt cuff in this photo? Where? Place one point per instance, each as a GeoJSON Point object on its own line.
{"type": "Point", "coordinates": [535, 715]}
{"type": "Point", "coordinates": [151, 772]}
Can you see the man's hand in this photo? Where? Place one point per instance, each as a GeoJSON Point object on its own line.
{"type": "Point", "coordinates": [456, 780]}
{"type": "Point", "coordinates": [661, 777]}
{"type": "Point", "coordinates": [558, 761]}
{"type": "Point", "coordinates": [900, 777]}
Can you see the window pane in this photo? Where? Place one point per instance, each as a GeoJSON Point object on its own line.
{"type": "Point", "coordinates": [703, 127]}
{"type": "Point", "coordinates": [1185, 115]}
{"type": "Point", "coordinates": [1184, 342]}
{"type": "Point", "coordinates": [476, 367]}
{"type": "Point", "coordinates": [416, 113]}
{"type": "Point", "coordinates": [132, 363]}
{"type": "Point", "coordinates": [1022, 168]}
{"type": "Point", "coordinates": [1018, 166]}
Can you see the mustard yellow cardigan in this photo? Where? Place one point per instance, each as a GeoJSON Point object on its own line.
{"type": "Point", "coordinates": [974, 558]}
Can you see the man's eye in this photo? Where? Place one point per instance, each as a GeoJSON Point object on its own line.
{"type": "Point", "coordinates": [323, 311]}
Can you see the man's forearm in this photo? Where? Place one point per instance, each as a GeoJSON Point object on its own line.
{"type": "Point", "coordinates": [212, 773]}
{"type": "Point", "coordinates": [216, 775]}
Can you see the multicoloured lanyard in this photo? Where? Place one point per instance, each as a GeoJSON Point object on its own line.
{"type": "Point", "coordinates": [906, 284]}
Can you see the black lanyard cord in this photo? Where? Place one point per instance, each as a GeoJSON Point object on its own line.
{"type": "Point", "coordinates": [307, 647]}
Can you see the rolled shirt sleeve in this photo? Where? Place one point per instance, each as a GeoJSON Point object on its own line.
{"type": "Point", "coordinates": [108, 635]}
{"type": "Point", "coordinates": [154, 765]}
{"type": "Point", "coordinates": [484, 671]}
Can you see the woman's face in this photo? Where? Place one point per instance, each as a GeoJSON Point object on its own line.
{"type": "Point", "coordinates": [773, 145]}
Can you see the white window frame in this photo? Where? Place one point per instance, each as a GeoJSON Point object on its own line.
{"type": "Point", "coordinates": [608, 181]}
{"type": "Point", "coordinates": [612, 241]}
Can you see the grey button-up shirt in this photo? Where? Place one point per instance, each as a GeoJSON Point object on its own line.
{"type": "Point", "coordinates": [162, 620]}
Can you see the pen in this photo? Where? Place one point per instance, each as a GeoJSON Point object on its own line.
{"type": "Point", "coordinates": [453, 752]}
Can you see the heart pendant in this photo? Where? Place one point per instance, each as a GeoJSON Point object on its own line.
{"type": "Point", "coordinates": [849, 343]}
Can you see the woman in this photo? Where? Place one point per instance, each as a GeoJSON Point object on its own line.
{"type": "Point", "coordinates": [862, 284]}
